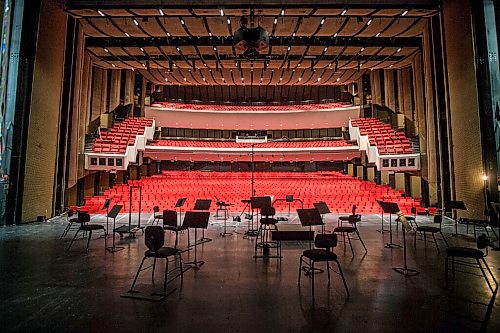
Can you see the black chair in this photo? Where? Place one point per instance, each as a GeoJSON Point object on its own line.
{"type": "Point", "coordinates": [425, 229]}
{"type": "Point", "coordinates": [471, 253]}
{"type": "Point", "coordinates": [170, 223]}
{"type": "Point", "coordinates": [350, 229]}
{"type": "Point", "coordinates": [84, 218]}
{"type": "Point", "coordinates": [322, 253]}
{"type": "Point", "coordinates": [156, 217]}
{"type": "Point", "coordinates": [346, 218]}
{"type": "Point", "coordinates": [154, 240]}
{"type": "Point", "coordinates": [71, 219]}
{"type": "Point", "coordinates": [267, 226]}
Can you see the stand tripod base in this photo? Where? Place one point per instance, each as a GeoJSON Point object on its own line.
{"type": "Point", "coordinates": [195, 264]}
{"type": "Point", "coordinates": [251, 233]}
{"type": "Point", "coordinates": [383, 230]}
{"type": "Point", "coordinates": [224, 234]}
{"type": "Point", "coordinates": [308, 271]}
{"type": "Point", "coordinates": [201, 241]}
{"type": "Point", "coordinates": [391, 246]}
{"type": "Point", "coordinates": [113, 249]}
{"type": "Point", "coordinates": [407, 272]}
{"type": "Point", "coordinates": [147, 295]}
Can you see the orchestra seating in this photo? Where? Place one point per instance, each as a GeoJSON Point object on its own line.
{"type": "Point", "coordinates": [122, 134]}
{"type": "Point", "coordinates": [383, 136]}
{"type": "Point", "coordinates": [232, 144]}
{"type": "Point", "coordinates": [222, 107]}
{"type": "Point", "coordinates": [338, 190]}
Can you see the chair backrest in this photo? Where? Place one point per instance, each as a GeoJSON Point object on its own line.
{"type": "Point", "coordinates": [414, 210]}
{"type": "Point", "coordinates": [482, 242]}
{"type": "Point", "coordinates": [154, 237]}
{"type": "Point", "coordinates": [70, 212]}
{"type": "Point", "coordinates": [354, 209]}
{"type": "Point", "coordinates": [438, 219]}
{"type": "Point", "coordinates": [353, 219]}
{"type": "Point", "coordinates": [156, 209]}
{"type": "Point", "coordinates": [84, 217]}
{"type": "Point", "coordinates": [169, 218]}
{"type": "Point", "coordinates": [267, 211]}
{"type": "Point", "coordinates": [325, 241]}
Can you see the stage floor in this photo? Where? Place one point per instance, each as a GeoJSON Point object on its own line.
{"type": "Point", "coordinates": [43, 288]}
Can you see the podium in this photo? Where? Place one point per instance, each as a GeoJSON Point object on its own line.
{"type": "Point", "coordinates": [389, 208]}
{"type": "Point", "coordinates": [202, 205]}
{"type": "Point", "coordinates": [323, 209]}
{"type": "Point", "coordinates": [113, 213]}
{"type": "Point", "coordinates": [310, 217]}
{"type": "Point", "coordinates": [196, 220]}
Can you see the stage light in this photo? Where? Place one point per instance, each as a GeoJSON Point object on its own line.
{"type": "Point", "coordinates": [228, 20]}
{"type": "Point", "coordinates": [142, 49]}
{"type": "Point", "coordinates": [178, 49]}
{"type": "Point", "coordinates": [161, 12]}
{"type": "Point", "coordinates": [288, 49]}
{"type": "Point", "coordinates": [126, 34]}
{"type": "Point", "coordinates": [322, 21]}
{"type": "Point", "coordinates": [101, 13]}
{"type": "Point", "coordinates": [168, 34]}
{"type": "Point", "coordinates": [293, 35]}
{"type": "Point", "coordinates": [344, 12]}
{"type": "Point", "coordinates": [135, 22]}
{"type": "Point", "coordinates": [106, 50]}
{"type": "Point", "coordinates": [335, 34]}
{"type": "Point", "coordinates": [362, 49]}
{"type": "Point", "coordinates": [485, 177]}
{"type": "Point", "coordinates": [399, 50]}
{"type": "Point", "coordinates": [325, 49]}
{"type": "Point", "coordinates": [378, 34]}
{"type": "Point", "coordinates": [404, 13]}
{"type": "Point", "coordinates": [222, 12]}
{"type": "Point", "coordinates": [113, 65]}
{"type": "Point", "coordinates": [369, 22]}
{"type": "Point", "coordinates": [275, 21]}
{"type": "Point", "coordinates": [282, 12]}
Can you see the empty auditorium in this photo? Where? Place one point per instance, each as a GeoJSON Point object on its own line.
{"type": "Point", "coordinates": [249, 166]}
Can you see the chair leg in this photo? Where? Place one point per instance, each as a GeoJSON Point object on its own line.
{"type": "Point", "coordinates": [446, 269]}
{"type": "Point", "coordinates": [328, 270]}
{"type": "Point", "coordinates": [350, 244]}
{"type": "Point", "coordinates": [166, 277]}
{"type": "Point", "coordinates": [484, 274]}
{"type": "Point", "coordinates": [415, 240]}
{"type": "Point", "coordinates": [453, 266]}
{"type": "Point", "coordinates": [65, 232]}
{"type": "Point", "coordinates": [137, 275]}
{"type": "Point", "coordinates": [176, 238]}
{"type": "Point", "coordinates": [312, 276]}
{"type": "Point", "coordinates": [153, 272]}
{"type": "Point", "coordinates": [88, 241]}
{"type": "Point", "coordinates": [361, 239]}
{"type": "Point", "coordinates": [425, 239]}
{"type": "Point", "coordinates": [343, 279]}
{"type": "Point", "coordinates": [444, 239]}
{"type": "Point", "coordinates": [435, 242]}
{"type": "Point", "coordinates": [181, 268]}
{"type": "Point", "coordinates": [300, 269]}
{"type": "Point", "coordinates": [72, 240]}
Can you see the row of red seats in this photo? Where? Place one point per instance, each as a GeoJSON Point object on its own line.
{"type": "Point", "coordinates": [300, 107]}
{"type": "Point", "coordinates": [339, 191]}
{"type": "Point", "coordinates": [232, 144]}
{"type": "Point", "coordinates": [121, 135]}
{"type": "Point", "coordinates": [383, 136]}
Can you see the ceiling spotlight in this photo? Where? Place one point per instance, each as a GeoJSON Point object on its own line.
{"type": "Point", "coordinates": [344, 12]}
{"type": "Point", "coordinates": [281, 79]}
{"type": "Point", "coordinates": [322, 21]}
{"type": "Point", "coordinates": [282, 12]}
{"type": "Point", "coordinates": [300, 79]}
{"type": "Point", "coordinates": [335, 34]}
{"type": "Point", "coordinates": [185, 79]}
{"type": "Point", "coordinates": [293, 35]}
{"type": "Point", "coordinates": [106, 50]}
{"type": "Point", "coordinates": [399, 50]}
{"type": "Point", "coordinates": [215, 48]}
{"type": "Point", "coordinates": [101, 13]}
{"type": "Point", "coordinates": [391, 66]}
{"type": "Point", "coordinates": [298, 64]}
{"type": "Point", "coordinates": [126, 34]}
{"type": "Point", "coordinates": [378, 34]}
{"type": "Point", "coordinates": [242, 79]}
{"type": "Point", "coordinates": [210, 34]}
{"type": "Point", "coordinates": [223, 79]}
{"type": "Point", "coordinates": [260, 79]}
{"type": "Point", "coordinates": [161, 12]}
{"type": "Point", "coordinates": [222, 12]}
{"type": "Point", "coordinates": [135, 22]}
{"type": "Point", "coordinates": [362, 49]}
{"type": "Point", "coordinates": [404, 13]}
{"type": "Point", "coordinates": [168, 34]}
{"type": "Point", "coordinates": [178, 49]}
{"type": "Point", "coordinates": [275, 21]}
{"type": "Point", "coordinates": [338, 79]}
{"type": "Point", "coordinates": [142, 49]}
{"type": "Point", "coordinates": [205, 64]}
{"type": "Point", "coordinates": [228, 20]}
{"type": "Point", "coordinates": [166, 79]}
{"type": "Point", "coordinates": [288, 49]}
{"type": "Point", "coordinates": [319, 79]}
{"type": "Point", "coordinates": [143, 65]}
{"type": "Point", "coordinates": [369, 22]}
{"type": "Point", "coordinates": [204, 79]}
{"type": "Point", "coordinates": [113, 65]}
{"type": "Point", "coordinates": [182, 22]}
{"type": "Point", "coordinates": [325, 49]}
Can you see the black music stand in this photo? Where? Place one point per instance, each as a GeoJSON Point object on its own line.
{"type": "Point", "coordinates": [389, 208]}
{"type": "Point", "coordinates": [256, 203]}
{"type": "Point", "coordinates": [106, 207]}
{"type": "Point", "coordinates": [180, 202]}
{"type": "Point", "coordinates": [454, 206]}
{"type": "Point", "coordinates": [496, 209]}
{"type": "Point", "coordinates": [203, 205]}
{"type": "Point", "coordinates": [407, 272]}
{"type": "Point", "coordinates": [323, 209]}
{"type": "Point", "coordinates": [196, 220]}
{"type": "Point", "coordinates": [113, 213]}
{"type": "Point", "coordinates": [289, 200]}
{"type": "Point", "coordinates": [310, 217]}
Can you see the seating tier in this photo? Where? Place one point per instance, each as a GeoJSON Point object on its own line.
{"type": "Point", "coordinates": [121, 135]}
{"type": "Point", "coordinates": [287, 107]}
{"type": "Point", "coordinates": [232, 144]}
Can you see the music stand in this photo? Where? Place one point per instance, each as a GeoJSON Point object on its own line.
{"type": "Point", "coordinates": [196, 220]}
{"type": "Point", "coordinates": [180, 202]}
{"type": "Point", "coordinates": [256, 203]}
{"type": "Point", "coordinates": [496, 208]}
{"type": "Point", "coordinates": [113, 213]}
{"type": "Point", "coordinates": [310, 217]}
{"type": "Point", "coordinates": [289, 200]}
{"type": "Point", "coordinates": [454, 206]}
{"type": "Point", "coordinates": [204, 205]}
{"type": "Point", "coordinates": [407, 272]}
{"type": "Point", "coordinates": [389, 208]}
{"type": "Point", "coordinates": [323, 209]}
{"type": "Point", "coordinates": [106, 207]}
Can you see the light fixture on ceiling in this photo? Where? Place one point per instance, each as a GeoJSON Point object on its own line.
{"type": "Point", "coordinates": [300, 78]}
{"type": "Point", "coordinates": [369, 21]}
{"type": "Point", "coordinates": [391, 66]}
{"type": "Point", "coordinates": [168, 34]}
{"type": "Point", "coordinates": [338, 79]}
{"type": "Point", "coordinates": [161, 12]}
{"type": "Point", "coordinates": [142, 49]}
{"type": "Point", "coordinates": [113, 65]}
{"type": "Point", "coordinates": [288, 49]}
{"type": "Point", "coordinates": [222, 12]}
{"type": "Point", "coordinates": [182, 22]}
{"type": "Point", "coordinates": [293, 35]}
{"type": "Point", "coordinates": [325, 49]}
{"type": "Point", "coordinates": [378, 34]}
{"type": "Point", "coordinates": [319, 78]}
{"type": "Point", "coordinates": [101, 13]}
{"type": "Point", "coordinates": [404, 13]}
{"type": "Point", "coordinates": [106, 50]}
{"type": "Point", "coordinates": [282, 12]}
{"type": "Point", "coordinates": [126, 34]}
{"type": "Point", "coordinates": [399, 50]}
{"type": "Point", "coordinates": [275, 20]}
{"type": "Point", "coordinates": [335, 34]}
{"type": "Point", "coordinates": [344, 12]}
{"type": "Point", "coordinates": [136, 23]}
{"type": "Point", "coordinates": [228, 20]}
{"type": "Point", "coordinates": [322, 21]}
{"type": "Point", "coordinates": [210, 34]}
{"type": "Point", "coordinates": [362, 49]}
{"type": "Point", "coordinates": [166, 79]}
{"type": "Point", "coordinates": [178, 49]}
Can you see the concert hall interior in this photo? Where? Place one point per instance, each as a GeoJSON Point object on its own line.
{"type": "Point", "coordinates": [249, 166]}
